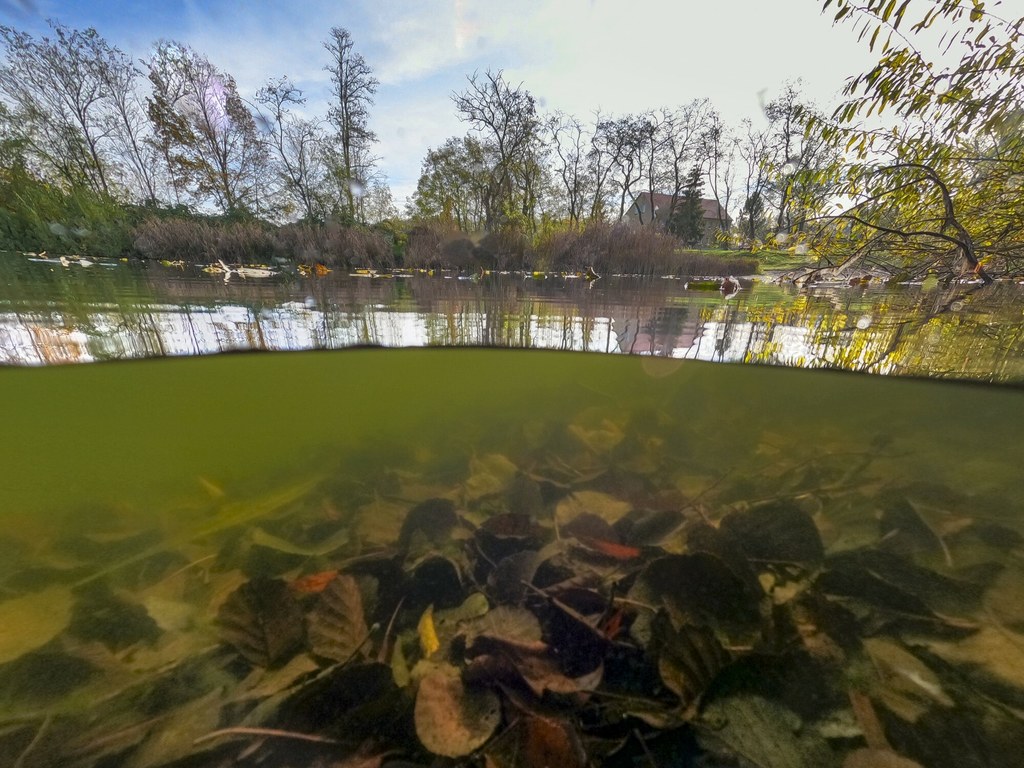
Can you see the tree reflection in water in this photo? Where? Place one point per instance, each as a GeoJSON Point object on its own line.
{"type": "Point", "coordinates": [52, 315]}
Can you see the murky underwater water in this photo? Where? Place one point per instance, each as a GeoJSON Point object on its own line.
{"type": "Point", "coordinates": [507, 558]}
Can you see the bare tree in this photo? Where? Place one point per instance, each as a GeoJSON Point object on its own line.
{"type": "Point", "coordinates": [353, 88]}
{"type": "Point", "coordinates": [571, 145]}
{"type": "Point", "coordinates": [718, 146]}
{"type": "Point", "coordinates": [130, 131]}
{"type": "Point", "coordinates": [681, 147]}
{"type": "Point", "coordinates": [759, 157]}
{"type": "Point", "coordinates": [207, 132]}
{"type": "Point", "coordinates": [799, 153]}
{"type": "Point", "coordinates": [57, 92]}
{"type": "Point", "coordinates": [297, 146]}
{"type": "Point", "coordinates": [507, 117]}
{"type": "Point", "coordinates": [621, 142]}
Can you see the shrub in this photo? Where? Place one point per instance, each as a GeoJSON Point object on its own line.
{"type": "Point", "coordinates": [428, 247]}
{"type": "Point", "coordinates": [172, 239]}
{"type": "Point", "coordinates": [207, 240]}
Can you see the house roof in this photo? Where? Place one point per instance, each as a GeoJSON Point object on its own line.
{"type": "Point", "coordinates": [663, 202]}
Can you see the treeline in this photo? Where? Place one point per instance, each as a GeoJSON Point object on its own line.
{"type": "Point", "coordinates": [919, 169]}
{"type": "Point", "coordinates": [163, 157]}
{"type": "Point", "coordinates": [99, 152]}
{"type": "Point", "coordinates": [522, 170]}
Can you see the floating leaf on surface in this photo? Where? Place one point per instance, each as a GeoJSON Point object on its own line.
{"type": "Point", "coordinates": [32, 620]}
{"type": "Point", "coordinates": [451, 719]}
{"type": "Point", "coordinates": [337, 625]}
{"type": "Point", "coordinates": [262, 621]}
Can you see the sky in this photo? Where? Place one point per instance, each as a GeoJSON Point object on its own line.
{"type": "Point", "coordinates": [573, 55]}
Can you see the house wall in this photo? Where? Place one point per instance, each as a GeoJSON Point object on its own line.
{"type": "Point", "coordinates": [711, 226]}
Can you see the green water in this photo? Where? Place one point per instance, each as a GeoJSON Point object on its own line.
{"type": "Point", "coordinates": [141, 498]}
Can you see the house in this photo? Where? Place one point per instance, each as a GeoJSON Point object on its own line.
{"type": "Point", "coordinates": [640, 212]}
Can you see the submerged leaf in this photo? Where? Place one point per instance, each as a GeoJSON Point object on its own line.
{"type": "Point", "coordinates": [489, 475]}
{"type": "Point", "coordinates": [451, 719]}
{"type": "Point", "coordinates": [905, 685]}
{"type": "Point", "coordinates": [504, 623]}
{"type": "Point", "coordinates": [262, 621]}
{"type": "Point", "coordinates": [761, 733]}
{"type": "Point", "coordinates": [427, 633]}
{"type": "Point", "coordinates": [430, 521]}
{"type": "Point", "coordinates": [689, 659]}
{"type": "Point", "coordinates": [337, 626]}
{"type": "Point", "coordinates": [878, 758]}
{"type": "Point", "coordinates": [700, 589]}
{"type": "Point", "coordinates": [537, 741]}
{"type": "Point", "coordinates": [261, 538]}
{"type": "Point", "coordinates": [776, 533]}
{"type": "Point", "coordinates": [32, 620]}
{"type": "Point", "coordinates": [314, 582]}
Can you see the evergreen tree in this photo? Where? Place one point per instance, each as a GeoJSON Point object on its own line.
{"type": "Point", "coordinates": [687, 222]}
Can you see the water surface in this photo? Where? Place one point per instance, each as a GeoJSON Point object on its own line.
{"type": "Point", "coordinates": [53, 314]}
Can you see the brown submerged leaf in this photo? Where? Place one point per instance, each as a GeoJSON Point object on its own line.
{"type": "Point", "coordinates": [337, 626]}
{"type": "Point", "coordinates": [776, 532]}
{"type": "Point", "coordinates": [751, 730]}
{"type": "Point", "coordinates": [878, 758]}
{"type": "Point", "coordinates": [451, 719]}
{"type": "Point", "coordinates": [689, 659]}
{"type": "Point", "coordinates": [701, 589]}
{"type": "Point", "coordinates": [537, 741]}
{"type": "Point", "coordinates": [262, 621]}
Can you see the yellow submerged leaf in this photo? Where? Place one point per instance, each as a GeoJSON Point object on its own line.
{"type": "Point", "coordinates": [428, 634]}
{"type": "Point", "coordinates": [33, 620]}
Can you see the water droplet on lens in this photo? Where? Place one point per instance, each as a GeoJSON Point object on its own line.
{"type": "Point", "coordinates": [956, 306]}
{"type": "Point", "coordinates": [864, 322]}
